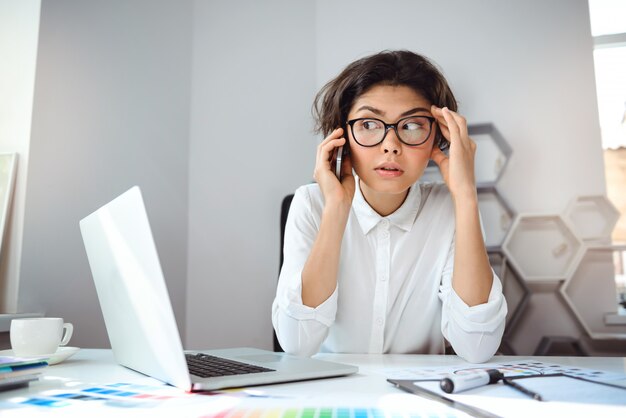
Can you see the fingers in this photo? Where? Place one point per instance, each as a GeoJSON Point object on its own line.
{"type": "Point", "coordinates": [324, 173]}
{"type": "Point", "coordinates": [440, 112]}
{"type": "Point", "coordinates": [441, 121]}
{"type": "Point", "coordinates": [450, 122]}
{"type": "Point", "coordinates": [457, 169]}
{"type": "Point", "coordinates": [332, 141]}
{"type": "Point", "coordinates": [325, 152]}
{"type": "Point", "coordinates": [453, 126]}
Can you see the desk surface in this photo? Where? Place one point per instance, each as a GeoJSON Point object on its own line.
{"type": "Point", "coordinates": [368, 388]}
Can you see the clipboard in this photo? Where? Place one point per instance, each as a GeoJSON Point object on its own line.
{"type": "Point", "coordinates": [558, 388]}
{"type": "Point", "coordinates": [561, 387]}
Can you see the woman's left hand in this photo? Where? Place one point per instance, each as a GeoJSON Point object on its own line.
{"type": "Point", "coordinates": [457, 169]}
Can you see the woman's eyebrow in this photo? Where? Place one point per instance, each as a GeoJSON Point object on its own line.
{"type": "Point", "coordinates": [415, 110]}
{"type": "Point", "coordinates": [381, 113]}
{"type": "Point", "coordinates": [371, 109]}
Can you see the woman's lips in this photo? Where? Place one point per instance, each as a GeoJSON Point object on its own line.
{"type": "Point", "coordinates": [388, 171]}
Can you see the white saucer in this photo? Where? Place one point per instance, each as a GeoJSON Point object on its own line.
{"type": "Point", "coordinates": [63, 353]}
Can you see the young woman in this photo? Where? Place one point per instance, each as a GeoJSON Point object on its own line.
{"type": "Point", "coordinates": [378, 262]}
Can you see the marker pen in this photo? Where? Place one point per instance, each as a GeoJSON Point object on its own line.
{"type": "Point", "coordinates": [458, 383]}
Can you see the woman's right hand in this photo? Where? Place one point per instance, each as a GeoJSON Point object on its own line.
{"type": "Point", "coordinates": [335, 193]}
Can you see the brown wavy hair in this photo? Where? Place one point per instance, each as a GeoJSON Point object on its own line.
{"type": "Point", "coordinates": [391, 68]}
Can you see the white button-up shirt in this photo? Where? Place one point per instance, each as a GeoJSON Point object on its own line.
{"type": "Point", "coordinates": [394, 292]}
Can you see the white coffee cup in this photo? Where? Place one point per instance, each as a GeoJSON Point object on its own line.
{"type": "Point", "coordinates": [39, 336]}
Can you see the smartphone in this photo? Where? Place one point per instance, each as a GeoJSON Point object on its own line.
{"type": "Point", "coordinates": [340, 154]}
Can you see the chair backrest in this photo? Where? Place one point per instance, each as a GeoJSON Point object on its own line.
{"type": "Point", "coordinates": [284, 211]}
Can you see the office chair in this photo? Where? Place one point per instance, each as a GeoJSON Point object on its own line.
{"type": "Point", "coordinates": [284, 211]}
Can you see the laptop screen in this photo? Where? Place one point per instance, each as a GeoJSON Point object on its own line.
{"type": "Point", "coordinates": [131, 290]}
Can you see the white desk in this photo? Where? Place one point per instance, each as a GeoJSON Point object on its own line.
{"type": "Point", "coordinates": [367, 389]}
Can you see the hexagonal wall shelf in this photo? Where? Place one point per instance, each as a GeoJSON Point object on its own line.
{"type": "Point", "coordinates": [542, 247]}
{"type": "Point", "coordinates": [591, 294]}
{"type": "Point", "coordinates": [496, 259]}
{"type": "Point", "coordinates": [546, 314]}
{"type": "Point", "coordinates": [492, 153]}
{"type": "Point", "coordinates": [593, 217]}
{"type": "Point", "coordinates": [560, 346]}
{"type": "Point", "coordinates": [517, 295]}
{"type": "Point", "coordinates": [496, 216]}
{"type": "Point", "coordinates": [514, 288]}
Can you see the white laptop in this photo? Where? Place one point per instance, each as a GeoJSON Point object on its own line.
{"type": "Point", "coordinates": [140, 320]}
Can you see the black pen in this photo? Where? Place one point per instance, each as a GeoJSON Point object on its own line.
{"type": "Point", "coordinates": [460, 382]}
{"type": "Point", "coordinates": [522, 389]}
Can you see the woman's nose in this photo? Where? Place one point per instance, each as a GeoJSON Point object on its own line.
{"type": "Point", "coordinates": [391, 143]}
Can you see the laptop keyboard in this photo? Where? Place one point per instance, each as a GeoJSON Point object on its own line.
{"type": "Point", "coordinates": [203, 365]}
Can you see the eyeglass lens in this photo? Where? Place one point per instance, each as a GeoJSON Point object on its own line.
{"type": "Point", "coordinates": [413, 131]}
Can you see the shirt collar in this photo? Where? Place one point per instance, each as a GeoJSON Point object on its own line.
{"type": "Point", "coordinates": [403, 217]}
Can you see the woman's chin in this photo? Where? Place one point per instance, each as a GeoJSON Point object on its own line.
{"type": "Point", "coordinates": [393, 185]}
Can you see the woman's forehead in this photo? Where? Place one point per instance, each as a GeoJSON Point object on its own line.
{"type": "Point", "coordinates": [389, 100]}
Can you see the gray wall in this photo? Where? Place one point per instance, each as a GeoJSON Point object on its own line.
{"type": "Point", "coordinates": [250, 145]}
{"type": "Point", "coordinates": [206, 105]}
{"type": "Point", "coordinates": [111, 110]}
{"type": "Point", "coordinates": [19, 29]}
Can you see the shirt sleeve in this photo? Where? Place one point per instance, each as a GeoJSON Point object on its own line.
{"type": "Point", "coordinates": [474, 332]}
{"type": "Point", "coordinates": [300, 329]}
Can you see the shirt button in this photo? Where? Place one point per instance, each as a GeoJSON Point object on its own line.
{"type": "Point", "coordinates": [385, 223]}
{"type": "Point", "coordinates": [383, 277]}
{"type": "Point", "coordinates": [379, 322]}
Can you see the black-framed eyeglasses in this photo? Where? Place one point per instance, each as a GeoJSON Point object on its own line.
{"type": "Point", "coordinates": [412, 131]}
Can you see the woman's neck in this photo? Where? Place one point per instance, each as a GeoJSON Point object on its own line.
{"type": "Point", "coordinates": [383, 203]}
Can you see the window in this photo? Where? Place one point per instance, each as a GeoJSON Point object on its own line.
{"type": "Point", "coordinates": [608, 28]}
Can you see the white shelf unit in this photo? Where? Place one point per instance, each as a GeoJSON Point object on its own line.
{"type": "Point", "coordinates": [492, 153]}
{"type": "Point", "coordinates": [592, 217]}
{"type": "Point", "coordinates": [497, 216]}
{"type": "Point", "coordinates": [591, 295]}
{"type": "Point", "coordinates": [514, 288]}
{"type": "Point", "coordinates": [542, 247]}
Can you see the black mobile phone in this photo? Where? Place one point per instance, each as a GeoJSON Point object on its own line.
{"type": "Point", "coordinates": [340, 154]}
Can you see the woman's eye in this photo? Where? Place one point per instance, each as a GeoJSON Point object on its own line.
{"type": "Point", "coordinates": [370, 124]}
{"type": "Point", "coordinates": [413, 126]}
